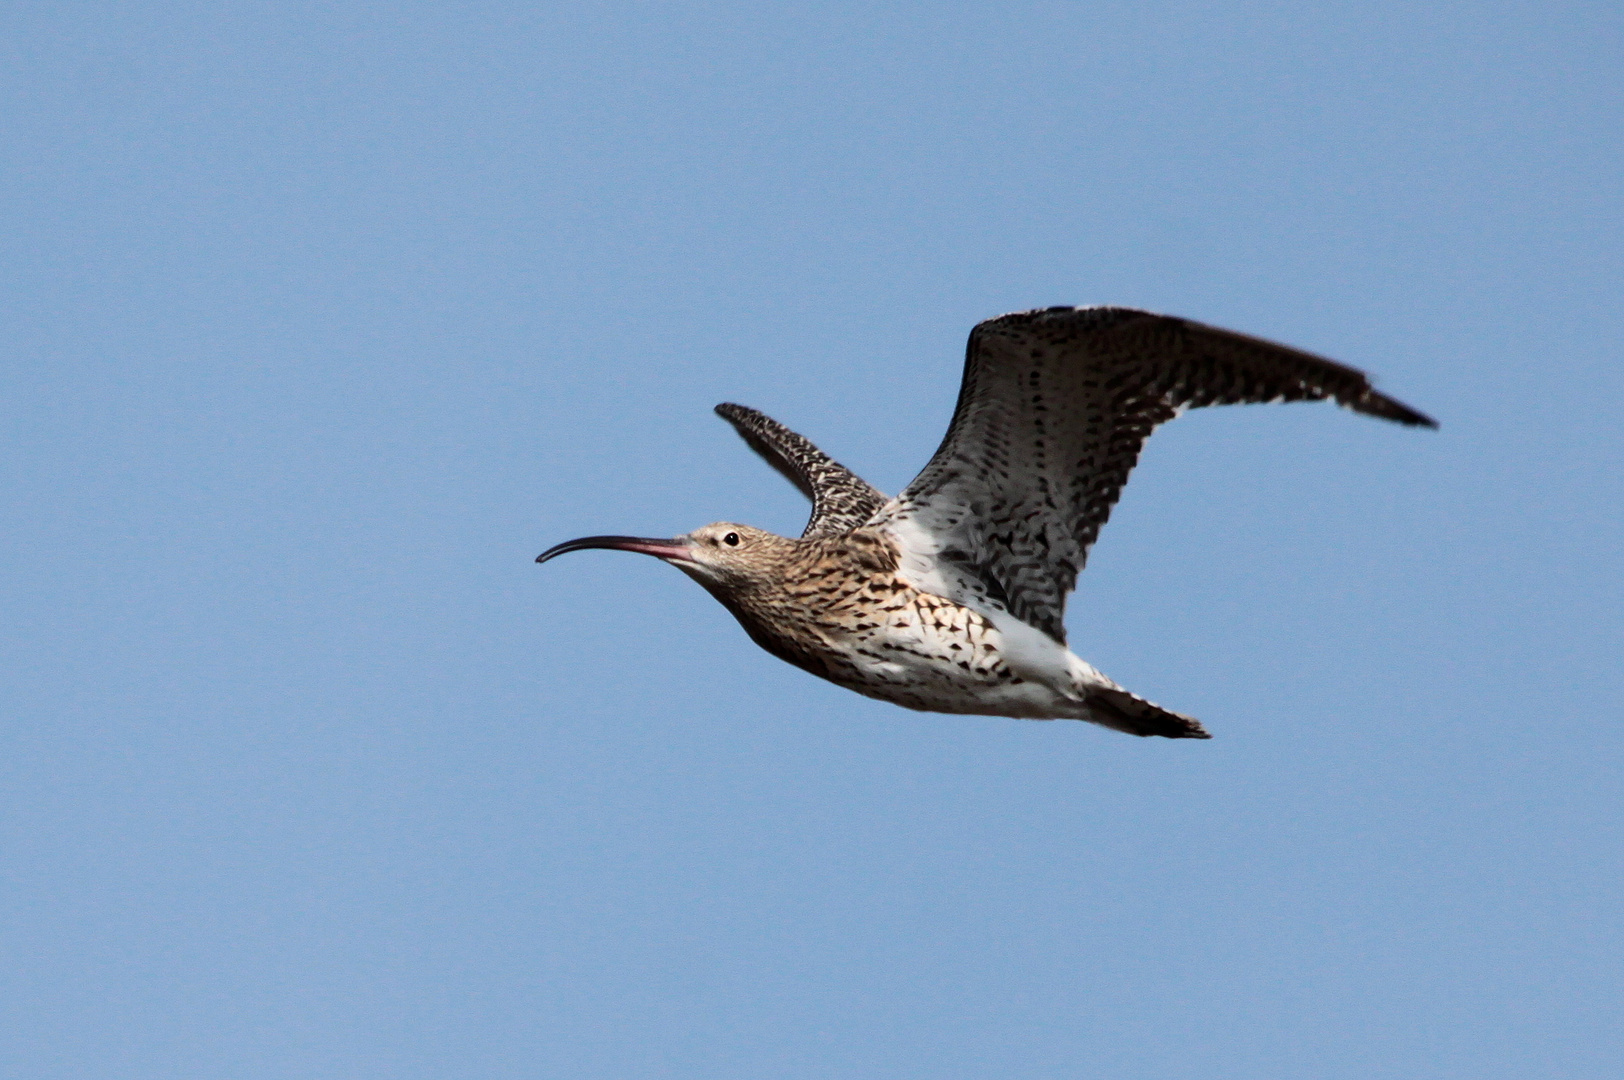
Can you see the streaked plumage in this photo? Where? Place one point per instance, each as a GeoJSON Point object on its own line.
{"type": "Point", "coordinates": [951, 597]}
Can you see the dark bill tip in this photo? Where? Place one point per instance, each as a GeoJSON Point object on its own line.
{"type": "Point", "coordinates": [660, 549]}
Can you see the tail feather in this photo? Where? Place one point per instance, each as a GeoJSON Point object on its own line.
{"type": "Point", "coordinates": [1117, 708]}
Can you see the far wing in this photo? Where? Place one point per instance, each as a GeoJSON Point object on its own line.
{"type": "Point", "coordinates": [841, 501]}
{"type": "Point", "coordinates": [1053, 411]}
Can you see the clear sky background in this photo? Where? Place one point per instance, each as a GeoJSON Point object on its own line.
{"type": "Point", "coordinates": [322, 320]}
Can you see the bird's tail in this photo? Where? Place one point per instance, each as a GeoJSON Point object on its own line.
{"type": "Point", "coordinates": [1116, 708]}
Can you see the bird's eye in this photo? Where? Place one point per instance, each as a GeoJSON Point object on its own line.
{"type": "Point", "coordinates": [731, 539]}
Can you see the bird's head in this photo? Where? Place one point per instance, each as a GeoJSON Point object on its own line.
{"type": "Point", "coordinates": [725, 556]}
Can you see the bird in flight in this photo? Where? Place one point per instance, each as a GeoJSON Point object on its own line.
{"type": "Point", "coordinates": [951, 597]}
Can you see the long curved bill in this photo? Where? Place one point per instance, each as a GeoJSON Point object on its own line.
{"type": "Point", "coordinates": [678, 548]}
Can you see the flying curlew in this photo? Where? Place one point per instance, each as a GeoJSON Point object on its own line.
{"type": "Point", "coordinates": [951, 597]}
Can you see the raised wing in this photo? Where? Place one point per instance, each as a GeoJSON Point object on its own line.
{"type": "Point", "coordinates": [1054, 409]}
{"type": "Point", "coordinates": [841, 501]}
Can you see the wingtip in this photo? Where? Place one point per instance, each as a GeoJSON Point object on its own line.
{"type": "Point", "coordinates": [1178, 726]}
{"type": "Point", "coordinates": [1380, 405]}
{"type": "Point", "coordinates": [1423, 420]}
{"type": "Point", "coordinates": [1181, 727]}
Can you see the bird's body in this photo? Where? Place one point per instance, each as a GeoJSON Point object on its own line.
{"type": "Point", "coordinates": [840, 608]}
{"type": "Point", "coordinates": [950, 598]}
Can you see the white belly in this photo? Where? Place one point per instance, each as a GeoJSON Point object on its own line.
{"type": "Point", "coordinates": [945, 658]}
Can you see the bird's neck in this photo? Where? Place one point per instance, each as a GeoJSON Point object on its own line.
{"type": "Point", "coordinates": [813, 590]}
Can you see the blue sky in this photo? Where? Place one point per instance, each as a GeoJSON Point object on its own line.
{"type": "Point", "coordinates": [324, 319]}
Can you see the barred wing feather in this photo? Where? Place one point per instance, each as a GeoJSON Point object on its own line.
{"type": "Point", "coordinates": [1054, 409]}
{"type": "Point", "coordinates": [841, 500]}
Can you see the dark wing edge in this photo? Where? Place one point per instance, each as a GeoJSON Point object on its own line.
{"type": "Point", "coordinates": [1238, 369]}
{"type": "Point", "coordinates": [841, 500]}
